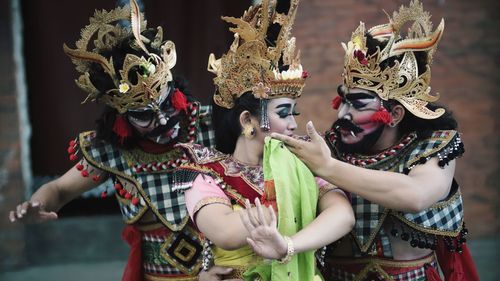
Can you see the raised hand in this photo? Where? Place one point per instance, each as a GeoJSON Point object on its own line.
{"type": "Point", "coordinates": [31, 212]}
{"type": "Point", "coordinates": [264, 238]}
{"type": "Point", "coordinates": [315, 154]}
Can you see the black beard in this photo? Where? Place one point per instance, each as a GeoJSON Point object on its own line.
{"type": "Point", "coordinates": [364, 146]}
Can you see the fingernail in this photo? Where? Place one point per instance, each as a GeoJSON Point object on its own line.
{"type": "Point", "coordinates": [35, 204]}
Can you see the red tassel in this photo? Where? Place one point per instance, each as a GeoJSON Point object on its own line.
{"type": "Point", "coordinates": [382, 116]}
{"type": "Point", "coordinates": [72, 157]}
{"type": "Point", "coordinates": [122, 128]}
{"type": "Point", "coordinates": [336, 102]}
{"type": "Point", "coordinates": [79, 167]}
{"type": "Point", "coordinates": [135, 201]}
{"type": "Point", "coordinates": [104, 194]}
{"type": "Point", "coordinates": [179, 101]}
{"type": "Point", "coordinates": [431, 274]}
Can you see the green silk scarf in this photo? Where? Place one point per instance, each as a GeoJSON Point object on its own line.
{"type": "Point", "coordinates": [296, 199]}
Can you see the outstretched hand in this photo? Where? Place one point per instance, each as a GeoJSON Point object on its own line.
{"type": "Point", "coordinates": [264, 238]}
{"type": "Point", "coordinates": [315, 154]}
{"type": "Point", "coordinates": [31, 212]}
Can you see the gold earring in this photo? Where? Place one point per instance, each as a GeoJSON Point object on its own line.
{"type": "Point", "coordinates": [249, 132]}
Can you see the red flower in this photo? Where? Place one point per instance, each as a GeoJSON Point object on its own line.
{"type": "Point", "coordinates": [305, 74]}
{"type": "Point", "coordinates": [360, 56]}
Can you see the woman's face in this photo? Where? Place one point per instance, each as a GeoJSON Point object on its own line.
{"type": "Point", "coordinates": [281, 113]}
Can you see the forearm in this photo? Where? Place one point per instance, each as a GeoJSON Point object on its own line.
{"type": "Point", "coordinates": [389, 189]}
{"type": "Point", "coordinates": [50, 197]}
{"type": "Point", "coordinates": [329, 226]}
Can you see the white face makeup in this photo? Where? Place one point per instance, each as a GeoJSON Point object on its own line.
{"type": "Point", "coordinates": [358, 106]}
{"type": "Point", "coordinates": [151, 117]}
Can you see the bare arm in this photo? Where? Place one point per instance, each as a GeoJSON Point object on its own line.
{"type": "Point", "coordinates": [422, 187]}
{"type": "Point", "coordinates": [50, 197]}
{"type": "Point", "coordinates": [222, 225]}
{"type": "Point", "coordinates": [335, 220]}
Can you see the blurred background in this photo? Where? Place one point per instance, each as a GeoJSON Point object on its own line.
{"type": "Point", "coordinates": [40, 112]}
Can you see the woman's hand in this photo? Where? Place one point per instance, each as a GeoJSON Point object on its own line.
{"type": "Point", "coordinates": [264, 238]}
{"type": "Point", "coordinates": [31, 212]}
{"type": "Point", "coordinates": [315, 154]}
{"type": "Point", "coordinates": [216, 273]}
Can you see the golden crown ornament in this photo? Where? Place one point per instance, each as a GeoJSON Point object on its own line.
{"type": "Point", "coordinates": [104, 33]}
{"type": "Point", "coordinates": [252, 62]}
{"type": "Point", "coordinates": [400, 81]}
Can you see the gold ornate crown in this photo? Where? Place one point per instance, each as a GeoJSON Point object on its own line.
{"type": "Point", "coordinates": [251, 65]}
{"type": "Point", "coordinates": [400, 81]}
{"type": "Point", "coordinates": [150, 74]}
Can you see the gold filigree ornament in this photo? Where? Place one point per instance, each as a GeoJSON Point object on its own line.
{"type": "Point", "coordinates": [401, 81]}
{"type": "Point", "coordinates": [251, 63]}
{"type": "Point", "coordinates": [103, 34]}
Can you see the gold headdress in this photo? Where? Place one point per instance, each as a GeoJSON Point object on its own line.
{"type": "Point", "coordinates": [150, 74]}
{"type": "Point", "coordinates": [400, 81]}
{"type": "Point", "coordinates": [252, 62]}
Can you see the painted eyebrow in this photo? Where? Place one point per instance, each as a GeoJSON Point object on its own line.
{"type": "Point", "coordinates": [285, 105]}
{"type": "Point", "coordinates": [357, 96]}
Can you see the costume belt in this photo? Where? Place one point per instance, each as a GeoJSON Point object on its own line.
{"type": "Point", "coordinates": [362, 268]}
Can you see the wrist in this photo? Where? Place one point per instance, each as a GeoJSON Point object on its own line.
{"type": "Point", "coordinates": [290, 250]}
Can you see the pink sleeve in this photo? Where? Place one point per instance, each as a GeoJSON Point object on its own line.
{"type": "Point", "coordinates": [324, 186]}
{"type": "Point", "coordinates": [204, 192]}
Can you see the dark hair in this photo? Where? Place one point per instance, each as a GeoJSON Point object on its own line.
{"type": "Point", "coordinates": [227, 121]}
{"type": "Point", "coordinates": [410, 122]}
{"type": "Point", "coordinates": [102, 81]}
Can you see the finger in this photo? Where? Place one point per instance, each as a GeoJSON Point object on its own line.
{"type": "Point", "coordinates": [289, 141]}
{"type": "Point", "coordinates": [220, 270]}
{"type": "Point", "coordinates": [18, 211]}
{"type": "Point", "coordinates": [35, 204]}
{"type": "Point", "coordinates": [12, 216]}
{"type": "Point", "coordinates": [311, 132]}
{"type": "Point", "coordinates": [251, 216]}
{"type": "Point", "coordinates": [272, 214]}
{"type": "Point", "coordinates": [245, 220]}
{"type": "Point", "coordinates": [260, 212]}
{"type": "Point", "coordinates": [24, 208]}
{"type": "Point", "coordinates": [46, 216]}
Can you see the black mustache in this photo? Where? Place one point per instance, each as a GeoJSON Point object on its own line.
{"type": "Point", "coordinates": [163, 128]}
{"type": "Point", "coordinates": [347, 125]}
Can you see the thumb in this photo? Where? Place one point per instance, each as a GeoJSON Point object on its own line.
{"type": "Point", "coordinates": [311, 132]}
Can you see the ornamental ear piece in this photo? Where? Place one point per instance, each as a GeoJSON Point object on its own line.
{"type": "Point", "coordinates": [252, 61]}
{"type": "Point", "coordinates": [104, 34]}
{"type": "Point", "coordinates": [401, 81]}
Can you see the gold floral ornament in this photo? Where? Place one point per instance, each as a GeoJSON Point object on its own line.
{"type": "Point", "coordinates": [103, 34]}
{"type": "Point", "coordinates": [260, 91]}
{"type": "Point", "coordinates": [402, 81]}
{"type": "Point", "coordinates": [251, 63]}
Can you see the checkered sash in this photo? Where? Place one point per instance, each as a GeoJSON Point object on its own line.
{"type": "Point", "coordinates": [155, 188]}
